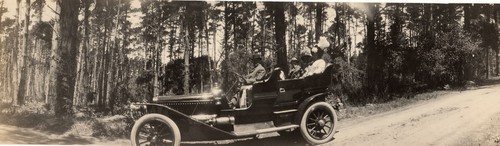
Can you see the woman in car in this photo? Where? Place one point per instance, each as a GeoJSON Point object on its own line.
{"type": "Point", "coordinates": [319, 56]}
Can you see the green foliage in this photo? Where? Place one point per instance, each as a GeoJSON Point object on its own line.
{"type": "Point", "coordinates": [238, 62]}
{"type": "Point", "coordinates": [110, 126]}
{"type": "Point", "coordinates": [347, 82]}
{"type": "Point", "coordinates": [415, 54]}
{"type": "Point", "coordinates": [43, 31]}
{"type": "Point", "coordinates": [41, 119]}
{"type": "Point", "coordinates": [172, 81]}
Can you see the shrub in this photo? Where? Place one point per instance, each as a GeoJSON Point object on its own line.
{"type": "Point", "coordinates": [112, 126]}
{"type": "Point", "coordinates": [347, 82]}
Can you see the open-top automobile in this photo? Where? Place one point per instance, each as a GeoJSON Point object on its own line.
{"type": "Point", "coordinates": [289, 107]}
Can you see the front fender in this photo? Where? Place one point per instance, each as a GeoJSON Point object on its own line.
{"type": "Point", "coordinates": [305, 103]}
{"type": "Point", "coordinates": [191, 129]}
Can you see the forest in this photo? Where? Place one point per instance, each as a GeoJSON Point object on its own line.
{"type": "Point", "coordinates": [109, 53]}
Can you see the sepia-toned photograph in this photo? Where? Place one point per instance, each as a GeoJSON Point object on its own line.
{"type": "Point", "coordinates": [249, 73]}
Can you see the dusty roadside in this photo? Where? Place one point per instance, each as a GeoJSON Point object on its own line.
{"type": "Point", "coordinates": [442, 121]}
{"type": "Point", "coordinates": [488, 133]}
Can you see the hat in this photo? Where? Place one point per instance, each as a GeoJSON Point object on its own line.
{"type": "Point", "coordinates": [323, 43]}
{"type": "Point", "coordinates": [294, 60]}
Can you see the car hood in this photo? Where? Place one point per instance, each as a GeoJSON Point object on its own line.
{"type": "Point", "coordinates": [184, 98]}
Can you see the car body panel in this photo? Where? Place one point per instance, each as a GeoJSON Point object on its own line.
{"type": "Point", "coordinates": [279, 102]}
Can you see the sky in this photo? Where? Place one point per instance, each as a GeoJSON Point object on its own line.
{"type": "Point", "coordinates": [11, 7]}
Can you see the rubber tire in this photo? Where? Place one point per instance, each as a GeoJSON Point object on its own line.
{"type": "Point", "coordinates": [151, 117]}
{"type": "Point", "coordinates": [303, 128]}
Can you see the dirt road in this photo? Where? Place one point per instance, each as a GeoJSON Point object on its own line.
{"type": "Point", "coordinates": [469, 117]}
{"type": "Point", "coordinates": [448, 120]}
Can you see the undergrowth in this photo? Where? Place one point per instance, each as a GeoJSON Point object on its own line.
{"type": "Point", "coordinates": [35, 115]}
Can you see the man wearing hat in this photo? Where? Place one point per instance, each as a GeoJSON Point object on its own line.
{"type": "Point", "coordinates": [257, 74]}
{"type": "Point", "coordinates": [296, 71]}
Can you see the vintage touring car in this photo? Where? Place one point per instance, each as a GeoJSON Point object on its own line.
{"type": "Point", "coordinates": [289, 107]}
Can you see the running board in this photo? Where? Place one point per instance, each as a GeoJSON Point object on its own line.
{"type": "Point", "coordinates": [266, 130]}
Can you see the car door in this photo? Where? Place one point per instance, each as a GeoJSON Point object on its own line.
{"type": "Point", "coordinates": [289, 91]}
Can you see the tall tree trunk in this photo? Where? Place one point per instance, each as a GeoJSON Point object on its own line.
{"type": "Point", "coordinates": [200, 68]}
{"type": "Point", "coordinates": [186, 60]}
{"type": "Point", "coordinates": [67, 48]}
{"type": "Point", "coordinates": [156, 61]}
{"type": "Point", "coordinates": [291, 30]}
{"type": "Point", "coordinates": [82, 74]}
{"type": "Point", "coordinates": [21, 94]}
{"type": "Point", "coordinates": [122, 57]}
{"type": "Point", "coordinates": [213, 69]}
{"type": "Point", "coordinates": [103, 66]}
{"type": "Point", "coordinates": [50, 80]}
{"type": "Point", "coordinates": [280, 29]}
{"type": "Point", "coordinates": [319, 21]}
{"type": "Point", "coordinates": [3, 77]}
{"type": "Point", "coordinates": [264, 31]}
{"type": "Point", "coordinates": [496, 49]}
{"type": "Point", "coordinates": [488, 18]}
{"type": "Point", "coordinates": [1, 15]}
{"type": "Point", "coordinates": [309, 37]}
{"type": "Point", "coordinates": [112, 65]}
{"type": "Point", "coordinates": [467, 15]}
{"type": "Point", "coordinates": [15, 57]}
{"type": "Point", "coordinates": [370, 48]}
{"type": "Point", "coordinates": [208, 46]}
{"type": "Point", "coordinates": [156, 85]}
{"type": "Point", "coordinates": [225, 64]}
{"type": "Point", "coordinates": [101, 69]}
{"type": "Point", "coordinates": [488, 62]}
{"type": "Point", "coordinates": [38, 61]}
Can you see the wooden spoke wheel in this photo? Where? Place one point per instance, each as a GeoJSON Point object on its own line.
{"type": "Point", "coordinates": [318, 123]}
{"type": "Point", "coordinates": [155, 130]}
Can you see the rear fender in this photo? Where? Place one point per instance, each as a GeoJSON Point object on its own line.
{"type": "Point", "coordinates": [308, 101]}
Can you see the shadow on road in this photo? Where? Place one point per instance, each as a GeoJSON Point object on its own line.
{"type": "Point", "coordinates": [268, 141]}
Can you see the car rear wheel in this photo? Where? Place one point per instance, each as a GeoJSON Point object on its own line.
{"type": "Point", "coordinates": [318, 123]}
{"type": "Point", "coordinates": [155, 130]}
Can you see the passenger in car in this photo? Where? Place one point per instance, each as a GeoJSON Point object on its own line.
{"type": "Point", "coordinates": [319, 64]}
{"type": "Point", "coordinates": [296, 70]}
{"type": "Point", "coordinates": [305, 60]}
{"type": "Point", "coordinates": [257, 74]}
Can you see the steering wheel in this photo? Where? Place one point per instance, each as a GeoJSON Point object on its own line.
{"type": "Point", "coordinates": [241, 78]}
{"type": "Point", "coordinates": [242, 81]}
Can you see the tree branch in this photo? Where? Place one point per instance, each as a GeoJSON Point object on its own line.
{"type": "Point", "coordinates": [53, 10]}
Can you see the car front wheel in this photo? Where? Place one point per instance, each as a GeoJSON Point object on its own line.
{"type": "Point", "coordinates": [318, 123]}
{"type": "Point", "coordinates": [155, 130]}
